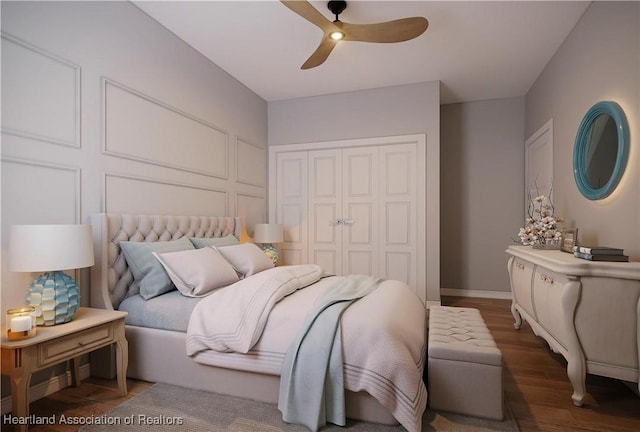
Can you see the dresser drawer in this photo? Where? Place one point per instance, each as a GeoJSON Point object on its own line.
{"type": "Point", "coordinates": [548, 290]}
{"type": "Point", "coordinates": [521, 274]}
{"type": "Point", "coordinates": [73, 345]}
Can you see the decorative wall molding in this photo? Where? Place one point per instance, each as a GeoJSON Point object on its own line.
{"type": "Point", "coordinates": [52, 112]}
{"type": "Point", "coordinates": [219, 196]}
{"type": "Point", "coordinates": [252, 210]}
{"type": "Point", "coordinates": [251, 163]}
{"type": "Point", "coordinates": [74, 170]}
{"type": "Point", "coordinates": [127, 111]}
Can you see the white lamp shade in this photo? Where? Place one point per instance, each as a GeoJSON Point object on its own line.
{"type": "Point", "coordinates": [268, 233]}
{"type": "Point", "coordinates": [43, 248]}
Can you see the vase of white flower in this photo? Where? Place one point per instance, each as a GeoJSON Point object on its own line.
{"type": "Point", "coordinates": [542, 228]}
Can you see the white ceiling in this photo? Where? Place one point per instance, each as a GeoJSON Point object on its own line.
{"type": "Point", "coordinates": [478, 50]}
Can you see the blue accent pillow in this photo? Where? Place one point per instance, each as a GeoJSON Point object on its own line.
{"type": "Point", "coordinates": [150, 278]}
{"type": "Point", "coordinates": [200, 243]}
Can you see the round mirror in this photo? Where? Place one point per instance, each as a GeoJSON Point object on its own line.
{"type": "Point", "coordinates": [601, 149]}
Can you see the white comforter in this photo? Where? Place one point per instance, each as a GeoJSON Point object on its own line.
{"type": "Point", "coordinates": [383, 334]}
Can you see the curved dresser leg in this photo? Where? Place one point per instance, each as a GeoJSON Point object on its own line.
{"type": "Point", "coordinates": [514, 311]}
{"type": "Point", "coordinates": [576, 364]}
{"type": "Point", "coordinates": [516, 315]}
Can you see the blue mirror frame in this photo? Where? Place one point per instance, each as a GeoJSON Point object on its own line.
{"type": "Point", "coordinates": [583, 143]}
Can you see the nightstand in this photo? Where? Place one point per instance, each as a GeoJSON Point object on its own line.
{"type": "Point", "coordinates": [89, 330]}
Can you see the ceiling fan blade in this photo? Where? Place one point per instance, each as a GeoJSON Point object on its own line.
{"type": "Point", "coordinates": [391, 31]}
{"type": "Point", "coordinates": [311, 14]}
{"type": "Point", "coordinates": [320, 54]}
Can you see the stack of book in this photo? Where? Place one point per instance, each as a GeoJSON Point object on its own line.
{"type": "Point", "coordinates": [600, 253]}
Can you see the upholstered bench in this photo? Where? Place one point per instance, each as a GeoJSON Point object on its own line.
{"type": "Point", "coordinates": [464, 364]}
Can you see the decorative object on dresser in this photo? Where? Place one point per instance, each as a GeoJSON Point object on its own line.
{"type": "Point", "coordinates": [541, 230]}
{"type": "Point", "coordinates": [51, 248]}
{"type": "Point", "coordinates": [21, 323]}
{"type": "Point", "coordinates": [600, 253]}
{"type": "Point", "coordinates": [588, 311]}
{"type": "Point", "coordinates": [266, 235]}
{"type": "Point", "coordinates": [569, 240]}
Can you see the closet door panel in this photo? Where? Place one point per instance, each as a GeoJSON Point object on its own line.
{"type": "Point", "coordinates": [398, 213]}
{"type": "Point", "coordinates": [360, 263]}
{"type": "Point", "coordinates": [325, 202]}
{"type": "Point", "coordinates": [360, 187]}
{"type": "Point", "coordinates": [398, 266]}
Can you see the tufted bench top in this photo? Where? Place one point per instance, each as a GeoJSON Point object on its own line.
{"type": "Point", "coordinates": [460, 334]}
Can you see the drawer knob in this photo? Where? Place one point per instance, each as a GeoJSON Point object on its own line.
{"type": "Point", "coordinates": [546, 278]}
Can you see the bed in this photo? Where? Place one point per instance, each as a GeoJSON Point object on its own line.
{"type": "Point", "coordinates": [157, 346]}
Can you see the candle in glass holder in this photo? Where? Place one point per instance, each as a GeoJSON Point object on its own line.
{"type": "Point", "coordinates": [21, 323]}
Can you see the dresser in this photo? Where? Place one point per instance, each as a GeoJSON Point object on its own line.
{"type": "Point", "coordinates": [587, 311]}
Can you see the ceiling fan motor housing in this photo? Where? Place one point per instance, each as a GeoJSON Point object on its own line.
{"type": "Point", "coordinates": [336, 7]}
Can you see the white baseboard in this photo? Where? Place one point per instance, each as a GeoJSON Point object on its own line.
{"type": "Point", "coordinates": [502, 295]}
{"type": "Point", "coordinates": [52, 385]}
{"type": "Point", "coordinates": [433, 303]}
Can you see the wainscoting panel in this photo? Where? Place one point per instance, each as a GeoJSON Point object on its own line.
{"type": "Point", "coordinates": [251, 164]}
{"type": "Point", "coordinates": [251, 209]}
{"type": "Point", "coordinates": [126, 194]}
{"type": "Point", "coordinates": [39, 193]}
{"type": "Point", "coordinates": [44, 91]}
{"type": "Point", "coordinates": [35, 193]}
{"type": "Point", "coordinates": [138, 127]}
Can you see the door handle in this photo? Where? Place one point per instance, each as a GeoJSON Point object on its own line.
{"type": "Point", "coordinates": [344, 221]}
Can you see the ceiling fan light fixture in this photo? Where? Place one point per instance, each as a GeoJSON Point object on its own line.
{"type": "Point", "coordinates": [336, 35]}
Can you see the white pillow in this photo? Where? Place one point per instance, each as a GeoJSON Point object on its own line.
{"type": "Point", "coordinates": [246, 258]}
{"type": "Point", "coordinates": [197, 272]}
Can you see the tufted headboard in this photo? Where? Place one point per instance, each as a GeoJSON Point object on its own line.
{"type": "Point", "coordinates": [111, 277]}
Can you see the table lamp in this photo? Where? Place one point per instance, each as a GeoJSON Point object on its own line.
{"type": "Point", "coordinates": [51, 249]}
{"type": "Point", "coordinates": [266, 235]}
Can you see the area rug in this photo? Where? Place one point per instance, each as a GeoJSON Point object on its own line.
{"type": "Point", "coordinates": [164, 407]}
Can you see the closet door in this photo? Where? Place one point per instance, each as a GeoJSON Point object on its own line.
{"type": "Point", "coordinates": [360, 226]}
{"type": "Point", "coordinates": [399, 212]}
{"type": "Point", "coordinates": [355, 207]}
{"type": "Point", "coordinates": [325, 209]}
{"type": "Point", "coordinates": [292, 205]}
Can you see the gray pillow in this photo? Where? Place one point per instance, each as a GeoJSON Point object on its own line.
{"type": "Point", "coordinates": [198, 272]}
{"type": "Point", "coordinates": [246, 258]}
{"type": "Point", "coordinates": [149, 275]}
{"type": "Point", "coordinates": [200, 243]}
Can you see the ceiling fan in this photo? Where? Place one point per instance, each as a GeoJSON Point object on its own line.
{"type": "Point", "coordinates": [399, 30]}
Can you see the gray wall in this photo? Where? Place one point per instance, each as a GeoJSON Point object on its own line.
{"type": "Point", "coordinates": [599, 60]}
{"type": "Point", "coordinates": [482, 183]}
{"type": "Point", "coordinates": [399, 110]}
{"type": "Point", "coordinates": [61, 168]}
{"type": "Point", "coordinates": [57, 164]}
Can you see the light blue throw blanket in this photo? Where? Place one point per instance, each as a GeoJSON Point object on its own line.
{"type": "Point", "coordinates": [311, 382]}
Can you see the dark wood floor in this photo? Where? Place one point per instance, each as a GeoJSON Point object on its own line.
{"type": "Point", "coordinates": [536, 383]}
{"type": "Point", "coordinates": [536, 386]}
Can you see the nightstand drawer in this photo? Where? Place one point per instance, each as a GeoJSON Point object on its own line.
{"type": "Point", "coordinates": [75, 344]}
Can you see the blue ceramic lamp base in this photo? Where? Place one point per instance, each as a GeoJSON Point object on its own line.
{"type": "Point", "coordinates": [271, 251]}
{"type": "Point", "coordinates": [55, 296]}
